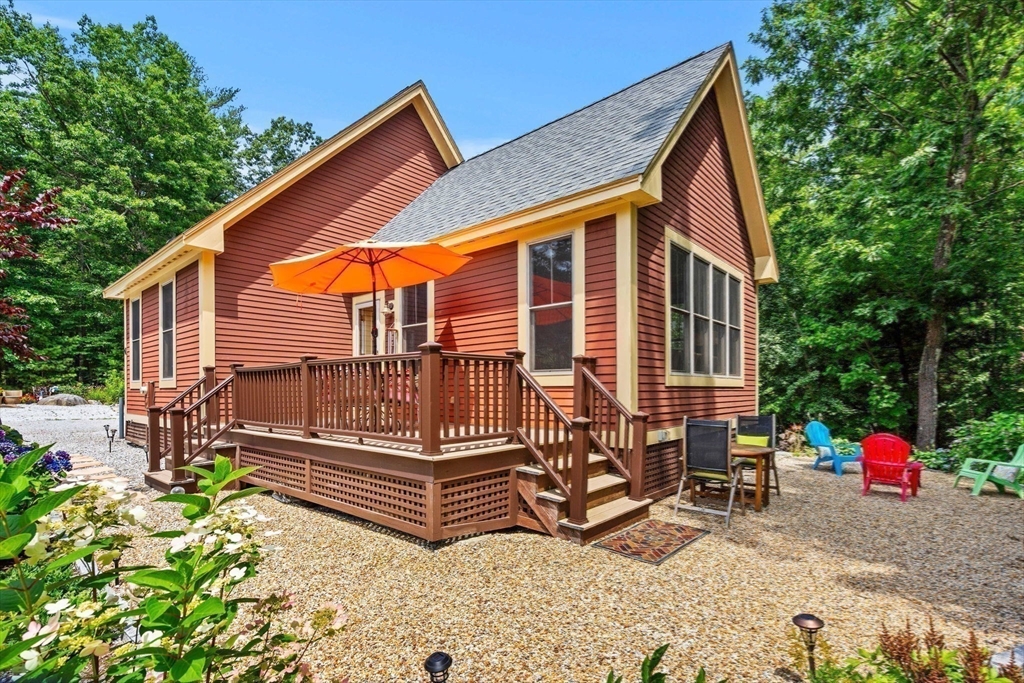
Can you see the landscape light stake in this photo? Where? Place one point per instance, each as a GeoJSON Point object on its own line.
{"type": "Point", "coordinates": [437, 666]}
{"type": "Point", "coordinates": [111, 433]}
{"type": "Point", "coordinates": [809, 626]}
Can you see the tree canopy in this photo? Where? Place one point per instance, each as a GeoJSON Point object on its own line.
{"type": "Point", "coordinates": [891, 148]}
{"type": "Point", "coordinates": [126, 122]}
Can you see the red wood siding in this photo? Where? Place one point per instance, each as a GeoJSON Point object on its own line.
{"type": "Point", "coordinates": [186, 321]}
{"type": "Point", "coordinates": [700, 202]}
{"type": "Point", "coordinates": [600, 297]}
{"type": "Point", "coordinates": [476, 308]}
{"type": "Point", "coordinates": [346, 199]}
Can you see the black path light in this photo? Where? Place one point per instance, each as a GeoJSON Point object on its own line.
{"type": "Point", "coordinates": [437, 666]}
{"type": "Point", "coordinates": [809, 626]}
{"type": "Point", "coordinates": [111, 433]}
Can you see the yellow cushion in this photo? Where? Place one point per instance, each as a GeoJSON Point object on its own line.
{"type": "Point", "coordinates": [704, 474]}
{"type": "Point", "coordinates": [744, 440]}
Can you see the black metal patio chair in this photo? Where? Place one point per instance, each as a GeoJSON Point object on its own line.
{"type": "Point", "coordinates": [708, 467]}
{"type": "Point", "coordinates": [761, 426]}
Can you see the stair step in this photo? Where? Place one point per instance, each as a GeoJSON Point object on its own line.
{"type": "Point", "coordinates": [606, 518]}
{"type": "Point", "coordinates": [161, 481]}
{"type": "Point", "coordinates": [595, 487]}
{"type": "Point", "coordinates": [594, 459]}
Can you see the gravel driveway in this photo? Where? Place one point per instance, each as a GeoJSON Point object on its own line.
{"type": "Point", "coordinates": [525, 607]}
{"type": "Point", "coordinates": [78, 429]}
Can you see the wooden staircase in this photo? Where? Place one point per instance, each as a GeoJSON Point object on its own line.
{"type": "Point", "coordinates": [544, 508]}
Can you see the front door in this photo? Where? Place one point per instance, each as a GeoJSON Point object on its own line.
{"type": "Point", "coordinates": [365, 330]}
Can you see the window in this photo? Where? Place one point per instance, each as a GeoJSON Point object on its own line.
{"type": "Point", "coordinates": [135, 339]}
{"type": "Point", "coordinates": [366, 330]}
{"type": "Point", "coordinates": [414, 317]}
{"type": "Point", "coordinates": [704, 309]}
{"type": "Point", "coordinates": [551, 304]}
{"type": "Point", "coordinates": [167, 330]}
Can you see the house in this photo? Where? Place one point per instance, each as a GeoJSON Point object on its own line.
{"type": "Point", "coordinates": [620, 248]}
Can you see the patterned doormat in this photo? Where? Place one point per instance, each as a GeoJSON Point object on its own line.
{"type": "Point", "coordinates": [652, 541]}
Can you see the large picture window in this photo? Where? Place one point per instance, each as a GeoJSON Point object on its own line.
{"type": "Point", "coordinates": [167, 330]}
{"type": "Point", "coordinates": [551, 304]}
{"type": "Point", "coordinates": [135, 339]}
{"type": "Point", "coordinates": [704, 309]}
{"type": "Point", "coordinates": [414, 317]}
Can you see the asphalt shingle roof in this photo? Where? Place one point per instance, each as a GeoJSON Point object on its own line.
{"type": "Point", "coordinates": [614, 138]}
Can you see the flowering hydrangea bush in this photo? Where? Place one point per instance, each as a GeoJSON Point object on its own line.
{"type": "Point", "coordinates": [13, 447]}
{"type": "Point", "coordinates": [178, 622]}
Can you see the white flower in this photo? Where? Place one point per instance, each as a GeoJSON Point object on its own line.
{"type": "Point", "coordinates": [86, 610]}
{"type": "Point", "coordinates": [150, 637]}
{"type": "Point", "coordinates": [236, 573]}
{"type": "Point", "coordinates": [135, 515]}
{"type": "Point", "coordinates": [235, 538]}
{"type": "Point", "coordinates": [57, 607]}
{"type": "Point", "coordinates": [94, 647]}
{"type": "Point", "coordinates": [36, 549]}
{"type": "Point", "coordinates": [31, 658]}
{"type": "Point", "coordinates": [49, 630]}
{"type": "Point", "coordinates": [273, 533]}
{"type": "Point", "coordinates": [110, 596]}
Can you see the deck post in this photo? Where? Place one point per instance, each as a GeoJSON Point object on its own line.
{"type": "Point", "coordinates": [212, 406]}
{"type": "Point", "coordinates": [430, 398]}
{"type": "Point", "coordinates": [579, 389]}
{"type": "Point", "coordinates": [177, 436]}
{"type": "Point", "coordinates": [236, 395]}
{"type": "Point", "coordinates": [515, 401]}
{"type": "Point", "coordinates": [153, 429]}
{"type": "Point", "coordinates": [308, 398]}
{"type": "Point", "coordinates": [578, 470]}
{"type": "Point", "coordinates": [638, 458]}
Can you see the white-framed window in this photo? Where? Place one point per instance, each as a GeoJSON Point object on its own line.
{"type": "Point", "coordinates": [135, 339]}
{"type": "Point", "coordinates": [414, 317]}
{"type": "Point", "coordinates": [550, 304]}
{"type": "Point", "coordinates": [167, 330]}
{"type": "Point", "coordinates": [705, 303]}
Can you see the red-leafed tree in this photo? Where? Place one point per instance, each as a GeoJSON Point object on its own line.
{"type": "Point", "coordinates": [19, 217]}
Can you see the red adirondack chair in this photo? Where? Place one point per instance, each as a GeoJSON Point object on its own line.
{"type": "Point", "coordinates": [885, 461]}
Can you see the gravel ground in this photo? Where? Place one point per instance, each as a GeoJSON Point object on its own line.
{"type": "Point", "coordinates": [78, 429]}
{"type": "Point", "coordinates": [524, 607]}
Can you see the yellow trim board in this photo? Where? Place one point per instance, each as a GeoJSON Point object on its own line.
{"type": "Point", "coordinates": [207, 310]}
{"type": "Point", "coordinates": [626, 353]}
{"type": "Point", "coordinates": [208, 234]}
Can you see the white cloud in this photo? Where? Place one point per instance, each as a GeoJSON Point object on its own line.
{"type": "Point", "coordinates": [59, 22]}
{"type": "Point", "coordinates": [476, 146]}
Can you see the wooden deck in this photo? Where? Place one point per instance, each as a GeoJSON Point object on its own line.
{"type": "Point", "coordinates": [436, 444]}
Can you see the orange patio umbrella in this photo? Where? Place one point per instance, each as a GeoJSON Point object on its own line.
{"type": "Point", "coordinates": [357, 268]}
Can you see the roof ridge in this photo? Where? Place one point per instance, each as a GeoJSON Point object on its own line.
{"type": "Point", "coordinates": [595, 102]}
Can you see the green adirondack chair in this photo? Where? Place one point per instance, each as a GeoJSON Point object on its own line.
{"type": "Point", "coordinates": [980, 476]}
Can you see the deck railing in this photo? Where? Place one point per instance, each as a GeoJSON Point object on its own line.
{"type": "Point", "coordinates": [618, 434]}
{"type": "Point", "coordinates": [382, 398]}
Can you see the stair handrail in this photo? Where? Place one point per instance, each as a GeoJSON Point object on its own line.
{"type": "Point", "coordinates": [158, 441]}
{"type": "Point", "coordinates": [586, 385]}
{"type": "Point", "coordinates": [570, 475]}
{"type": "Point", "coordinates": [188, 441]}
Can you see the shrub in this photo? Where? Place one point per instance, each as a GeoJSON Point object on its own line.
{"type": "Point", "coordinates": [111, 389]}
{"type": "Point", "coordinates": [648, 673]}
{"type": "Point", "coordinates": [179, 622]}
{"type": "Point", "coordinates": [904, 657]}
{"type": "Point", "coordinates": [996, 438]}
{"type": "Point", "coordinates": [939, 459]}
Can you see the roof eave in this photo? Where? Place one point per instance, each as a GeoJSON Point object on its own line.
{"type": "Point", "coordinates": [207, 234]}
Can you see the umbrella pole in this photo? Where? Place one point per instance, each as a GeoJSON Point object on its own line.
{"type": "Point", "coordinates": [373, 324]}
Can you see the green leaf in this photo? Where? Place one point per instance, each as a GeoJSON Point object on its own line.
{"type": "Point", "coordinates": [191, 499]}
{"type": "Point", "coordinates": [157, 578]}
{"type": "Point", "coordinates": [221, 468]}
{"type": "Point", "coordinates": [23, 464]}
{"type": "Point", "coordinates": [10, 601]}
{"type": "Point", "coordinates": [701, 676]}
{"type": "Point", "coordinates": [173, 533]}
{"type": "Point", "coordinates": [7, 494]}
{"type": "Point", "coordinates": [189, 668]}
{"type": "Point", "coordinates": [201, 471]}
{"type": "Point", "coordinates": [236, 474]}
{"type": "Point", "coordinates": [65, 560]}
{"type": "Point", "coordinates": [9, 655]}
{"type": "Point", "coordinates": [156, 607]}
{"type": "Point", "coordinates": [244, 493]}
{"type": "Point", "coordinates": [208, 608]}
{"type": "Point", "coordinates": [11, 547]}
{"type": "Point", "coordinates": [48, 504]}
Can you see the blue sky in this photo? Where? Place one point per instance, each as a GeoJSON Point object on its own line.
{"type": "Point", "coordinates": [495, 70]}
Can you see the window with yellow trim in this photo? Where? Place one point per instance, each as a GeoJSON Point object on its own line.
{"type": "Point", "coordinates": [167, 330]}
{"type": "Point", "coordinates": [135, 338]}
{"type": "Point", "coordinates": [705, 312]}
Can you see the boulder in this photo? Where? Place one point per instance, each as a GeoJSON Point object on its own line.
{"type": "Point", "coordinates": [62, 400]}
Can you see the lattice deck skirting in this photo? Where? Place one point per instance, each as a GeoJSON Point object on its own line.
{"type": "Point", "coordinates": [433, 510]}
{"type": "Point", "coordinates": [663, 469]}
{"type": "Point", "coordinates": [135, 432]}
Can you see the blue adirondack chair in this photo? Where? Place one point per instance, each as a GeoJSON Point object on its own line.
{"type": "Point", "coordinates": [819, 438]}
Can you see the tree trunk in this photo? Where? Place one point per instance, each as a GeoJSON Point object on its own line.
{"type": "Point", "coordinates": [928, 382]}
